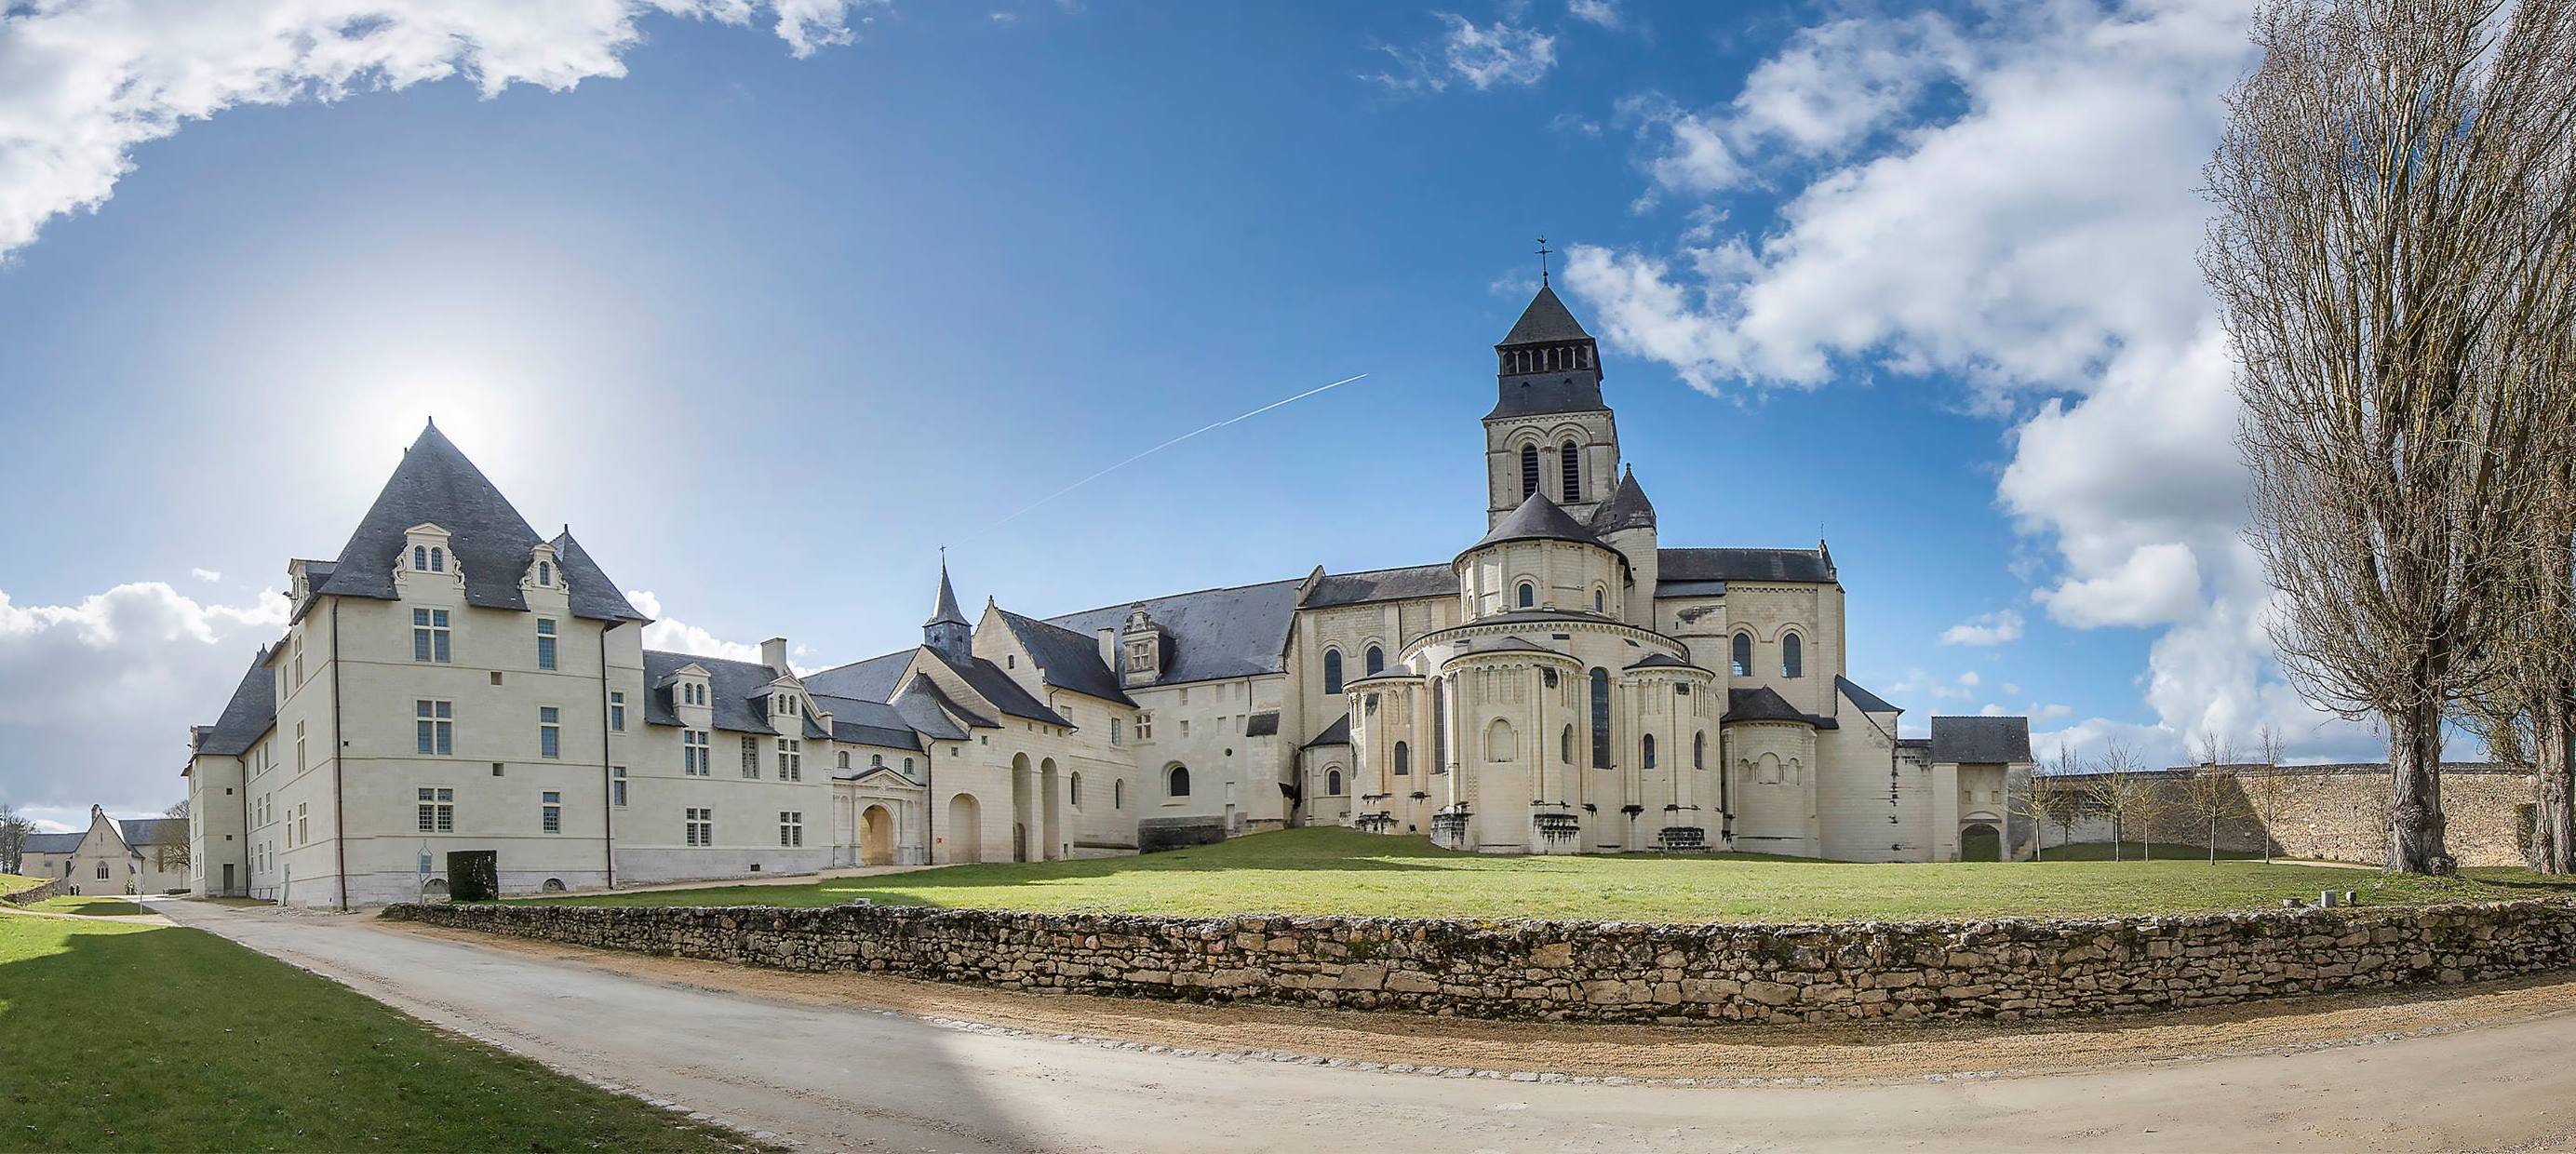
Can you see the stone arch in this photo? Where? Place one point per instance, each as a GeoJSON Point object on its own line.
{"type": "Point", "coordinates": [1050, 811]}
{"type": "Point", "coordinates": [1980, 841]}
{"type": "Point", "coordinates": [965, 829]}
{"type": "Point", "coordinates": [1500, 742]}
{"type": "Point", "coordinates": [1767, 769]}
{"type": "Point", "coordinates": [1332, 781]}
{"type": "Point", "coordinates": [877, 835]}
{"type": "Point", "coordinates": [1176, 780]}
{"type": "Point", "coordinates": [552, 886]}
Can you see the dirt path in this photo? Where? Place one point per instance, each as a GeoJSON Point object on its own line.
{"type": "Point", "coordinates": [851, 1063]}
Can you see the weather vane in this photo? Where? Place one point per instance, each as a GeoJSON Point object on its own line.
{"type": "Point", "coordinates": [1543, 250]}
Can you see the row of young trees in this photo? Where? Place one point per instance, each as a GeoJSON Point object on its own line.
{"type": "Point", "coordinates": [2394, 257]}
{"type": "Point", "coordinates": [2117, 787]}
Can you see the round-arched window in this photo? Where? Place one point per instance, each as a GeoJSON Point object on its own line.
{"type": "Point", "coordinates": [1332, 671]}
{"type": "Point", "coordinates": [1375, 662]}
{"type": "Point", "coordinates": [1073, 790]}
{"type": "Point", "coordinates": [1333, 782]}
{"type": "Point", "coordinates": [1793, 657]}
{"type": "Point", "coordinates": [1740, 660]}
{"type": "Point", "coordinates": [1699, 751]}
{"type": "Point", "coordinates": [1529, 471]}
{"type": "Point", "coordinates": [1600, 601]}
{"type": "Point", "coordinates": [1647, 747]}
{"type": "Point", "coordinates": [1528, 595]}
{"type": "Point", "coordinates": [1177, 781]}
{"type": "Point", "coordinates": [1403, 759]}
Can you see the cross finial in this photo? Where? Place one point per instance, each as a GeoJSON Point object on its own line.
{"type": "Point", "coordinates": [1543, 250]}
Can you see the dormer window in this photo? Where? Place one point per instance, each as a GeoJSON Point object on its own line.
{"type": "Point", "coordinates": [420, 558]}
{"type": "Point", "coordinates": [437, 559]}
{"type": "Point", "coordinates": [545, 573]}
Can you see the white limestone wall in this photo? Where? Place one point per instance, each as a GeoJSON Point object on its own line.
{"type": "Point", "coordinates": [1775, 787]}
{"type": "Point", "coordinates": [1595, 432]}
{"type": "Point", "coordinates": [1562, 576]}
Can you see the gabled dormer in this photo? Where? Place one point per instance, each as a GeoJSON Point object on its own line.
{"type": "Point", "coordinates": [1143, 644]}
{"type": "Point", "coordinates": [542, 583]}
{"type": "Point", "coordinates": [691, 687]}
{"type": "Point", "coordinates": [428, 563]}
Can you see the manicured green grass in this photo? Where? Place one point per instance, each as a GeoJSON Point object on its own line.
{"type": "Point", "coordinates": [138, 1037]}
{"type": "Point", "coordinates": [1335, 871]}
{"type": "Point", "coordinates": [2134, 851]}
{"type": "Point", "coordinates": [12, 883]}
{"type": "Point", "coordinates": [93, 906]}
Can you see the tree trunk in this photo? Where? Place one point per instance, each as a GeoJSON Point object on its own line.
{"type": "Point", "coordinates": [2415, 792]}
{"type": "Point", "coordinates": [2553, 822]}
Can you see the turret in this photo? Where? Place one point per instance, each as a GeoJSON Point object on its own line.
{"type": "Point", "coordinates": [1549, 433]}
{"type": "Point", "coordinates": [947, 632]}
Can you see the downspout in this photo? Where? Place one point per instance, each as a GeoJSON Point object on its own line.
{"type": "Point", "coordinates": [339, 754]}
{"type": "Point", "coordinates": [607, 776]}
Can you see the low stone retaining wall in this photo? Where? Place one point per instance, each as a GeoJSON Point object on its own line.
{"type": "Point", "coordinates": [33, 894]}
{"type": "Point", "coordinates": [2003, 970]}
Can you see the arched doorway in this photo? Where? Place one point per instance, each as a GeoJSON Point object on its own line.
{"type": "Point", "coordinates": [1050, 810]}
{"type": "Point", "coordinates": [876, 836]}
{"type": "Point", "coordinates": [1979, 841]}
{"type": "Point", "coordinates": [965, 836]}
{"type": "Point", "coordinates": [1024, 804]}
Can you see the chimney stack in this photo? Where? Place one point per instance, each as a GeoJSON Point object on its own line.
{"type": "Point", "coordinates": [773, 653]}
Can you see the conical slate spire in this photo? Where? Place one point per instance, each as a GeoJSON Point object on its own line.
{"type": "Point", "coordinates": [1626, 509]}
{"type": "Point", "coordinates": [945, 612]}
{"type": "Point", "coordinates": [1538, 519]}
{"type": "Point", "coordinates": [1546, 319]}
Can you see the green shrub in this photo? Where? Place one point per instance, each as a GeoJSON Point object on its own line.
{"type": "Point", "coordinates": [473, 875]}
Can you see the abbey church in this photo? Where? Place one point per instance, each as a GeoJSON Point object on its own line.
{"type": "Point", "coordinates": [451, 680]}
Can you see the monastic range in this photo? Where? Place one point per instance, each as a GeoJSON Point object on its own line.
{"type": "Point", "coordinates": [454, 681]}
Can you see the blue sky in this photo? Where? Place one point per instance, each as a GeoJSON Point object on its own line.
{"type": "Point", "coordinates": [768, 317]}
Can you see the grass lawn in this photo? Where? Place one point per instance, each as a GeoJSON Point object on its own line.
{"type": "Point", "coordinates": [12, 883]}
{"type": "Point", "coordinates": [2133, 851]}
{"type": "Point", "coordinates": [1337, 871]}
{"type": "Point", "coordinates": [94, 906]}
{"type": "Point", "coordinates": [137, 1037]}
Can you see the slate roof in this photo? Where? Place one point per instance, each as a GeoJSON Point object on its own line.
{"type": "Point", "coordinates": [932, 711]}
{"type": "Point", "coordinates": [945, 611]}
{"type": "Point", "coordinates": [1980, 739]}
{"type": "Point", "coordinates": [251, 712]}
{"type": "Point", "coordinates": [1546, 320]}
{"type": "Point", "coordinates": [436, 484]}
{"type": "Point", "coordinates": [1760, 703]}
{"type": "Point", "coordinates": [874, 679]}
{"type": "Point", "coordinates": [1209, 635]}
{"type": "Point", "coordinates": [53, 842]}
{"type": "Point", "coordinates": [1867, 701]}
{"type": "Point", "coordinates": [732, 686]}
{"type": "Point", "coordinates": [1262, 724]}
{"type": "Point", "coordinates": [1805, 565]}
{"type": "Point", "coordinates": [995, 685]}
{"type": "Point", "coordinates": [594, 596]}
{"type": "Point", "coordinates": [1538, 519]}
{"type": "Point", "coordinates": [1066, 659]}
{"type": "Point", "coordinates": [1338, 733]}
{"type": "Point", "coordinates": [1663, 661]}
{"type": "Point", "coordinates": [867, 722]}
{"type": "Point", "coordinates": [1503, 644]}
{"type": "Point", "coordinates": [1403, 584]}
{"type": "Point", "coordinates": [143, 831]}
{"type": "Point", "coordinates": [1627, 508]}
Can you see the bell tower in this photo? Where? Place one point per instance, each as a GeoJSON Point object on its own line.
{"type": "Point", "coordinates": [1550, 432]}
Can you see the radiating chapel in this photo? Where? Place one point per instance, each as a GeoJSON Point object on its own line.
{"type": "Point", "coordinates": [1565, 683]}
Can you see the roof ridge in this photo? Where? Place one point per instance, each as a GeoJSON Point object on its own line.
{"type": "Point", "coordinates": [1050, 618]}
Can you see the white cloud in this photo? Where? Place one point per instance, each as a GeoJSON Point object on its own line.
{"type": "Point", "coordinates": [1006, 18]}
{"type": "Point", "coordinates": [83, 84]}
{"type": "Point", "coordinates": [1970, 679]}
{"type": "Point", "coordinates": [2009, 200]}
{"type": "Point", "coordinates": [208, 576]}
{"type": "Point", "coordinates": [681, 637]}
{"type": "Point", "coordinates": [96, 697]}
{"type": "Point", "coordinates": [1602, 12]}
{"type": "Point", "coordinates": [1995, 628]}
{"type": "Point", "coordinates": [1500, 54]}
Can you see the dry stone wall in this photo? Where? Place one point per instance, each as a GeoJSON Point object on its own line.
{"type": "Point", "coordinates": [37, 893]}
{"type": "Point", "coordinates": [2335, 813]}
{"type": "Point", "coordinates": [2003, 970]}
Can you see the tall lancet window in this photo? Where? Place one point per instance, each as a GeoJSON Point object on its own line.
{"type": "Point", "coordinates": [1793, 657]}
{"type": "Point", "coordinates": [1742, 663]}
{"type": "Point", "coordinates": [1332, 671]}
{"type": "Point", "coordinates": [1570, 459]}
{"type": "Point", "coordinates": [1600, 719]}
{"type": "Point", "coordinates": [1529, 471]}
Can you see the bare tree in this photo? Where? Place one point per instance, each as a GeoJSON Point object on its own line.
{"type": "Point", "coordinates": [180, 854]}
{"type": "Point", "coordinates": [2055, 797]}
{"type": "Point", "coordinates": [2118, 789]}
{"type": "Point", "coordinates": [14, 828]}
{"type": "Point", "coordinates": [2526, 711]}
{"type": "Point", "coordinates": [2211, 793]}
{"type": "Point", "coordinates": [2268, 791]}
{"type": "Point", "coordinates": [2392, 191]}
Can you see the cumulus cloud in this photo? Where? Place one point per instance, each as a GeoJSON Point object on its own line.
{"type": "Point", "coordinates": [1995, 628]}
{"type": "Point", "coordinates": [1602, 12]}
{"type": "Point", "coordinates": [1485, 56]}
{"type": "Point", "coordinates": [83, 84]}
{"type": "Point", "coordinates": [2005, 199]}
{"type": "Point", "coordinates": [96, 696]}
{"type": "Point", "coordinates": [206, 575]}
{"type": "Point", "coordinates": [681, 637]}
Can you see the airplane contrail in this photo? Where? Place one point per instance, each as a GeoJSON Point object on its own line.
{"type": "Point", "coordinates": [1025, 509]}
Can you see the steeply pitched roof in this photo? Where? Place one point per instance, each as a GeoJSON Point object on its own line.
{"type": "Point", "coordinates": [1867, 701]}
{"type": "Point", "coordinates": [54, 842]}
{"type": "Point", "coordinates": [594, 596]}
{"type": "Point", "coordinates": [143, 831]}
{"type": "Point", "coordinates": [1681, 565]}
{"type": "Point", "coordinates": [1405, 584]}
{"type": "Point", "coordinates": [1980, 739]}
{"type": "Point", "coordinates": [1546, 319]}
{"type": "Point", "coordinates": [944, 612]}
{"type": "Point", "coordinates": [1209, 635]}
{"type": "Point", "coordinates": [1761, 703]}
{"type": "Point", "coordinates": [732, 686]}
{"type": "Point", "coordinates": [251, 712]}
{"type": "Point", "coordinates": [996, 686]}
{"type": "Point", "coordinates": [1627, 508]}
{"type": "Point", "coordinates": [435, 484]}
{"type": "Point", "coordinates": [931, 710]}
{"type": "Point", "coordinates": [874, 679]}
{"type": "Point", "coordinates": [1538, 519]}
{"type": "Point", "coordinates": [1338, 733]}
{"type": "Point", "coordinates": [1066, 659]}
{"type": "Point", "coordinates": [867, 722]}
